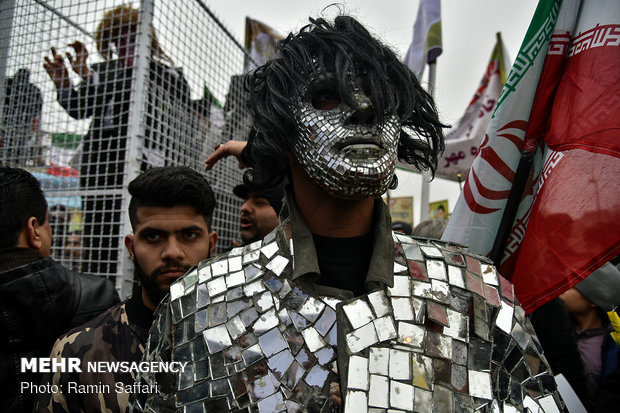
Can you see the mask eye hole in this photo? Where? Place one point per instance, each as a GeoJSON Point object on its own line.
{"type": "Point", "coordinates": [325, 99]}
{"type": "Point", "coordinates": [323, 94]}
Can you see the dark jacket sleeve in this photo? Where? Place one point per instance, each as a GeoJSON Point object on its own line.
{"type": "Point", "coordinates": [95, 295]}
{"type": "Point", "coordinates": [608, 394]}
{"type": "Point", "coordinates": [83, 101]}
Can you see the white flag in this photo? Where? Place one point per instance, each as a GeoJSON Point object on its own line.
{"type": "Point", "coordinates": [426, 45]}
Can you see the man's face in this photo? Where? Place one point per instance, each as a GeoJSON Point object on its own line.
{"type": "Point", "coordinates": [167, 242]}
{"type": "Point", "coordinates": [126, 47]}
{"type": "Point", "coordinates": [258, 218]}
{"type": "Point", "coordinates": [345, 150]}
{"type": "Point", "coordinates": [575, 302]}
{"type": "Point", "coordinates": [73, 247]}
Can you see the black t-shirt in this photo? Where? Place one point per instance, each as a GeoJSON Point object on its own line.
{"type": "Point", "coordinates": [140, 316]}
{"type": "Point", "coordinates": [344, 262]}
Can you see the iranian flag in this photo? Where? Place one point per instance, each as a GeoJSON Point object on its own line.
{"type": "Point", "coordinates": [426, 45]}
{"type": "Point", "coordinates": [560, 109]}
{"type": "Point", "coordinates": [463, 140]}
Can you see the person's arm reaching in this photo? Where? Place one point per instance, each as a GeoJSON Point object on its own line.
{"type": "Point", "coordinates": [230, 148]}
{"type": "Point", "coordinates": [79, 103]}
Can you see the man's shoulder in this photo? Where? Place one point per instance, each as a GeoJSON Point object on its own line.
{"type": "Point", "coordinates": [97, 293]}
{"type": "Point", "coordinates": [425, 240]}
{"type": "Point", "coordinates": [44, 272]}
{"type": "Point", "coordinates": [444, 246]}
{"type": "Point", "coordinates": [110, 323]}
{"type": "Point", "coordinates": [89, 295]}
{"type": "Point", "coordinates": [246, 260]}
{"type": "Point", "coordinates": [107, 337]}
{"type": "Point", "coordinates": [452, 261]}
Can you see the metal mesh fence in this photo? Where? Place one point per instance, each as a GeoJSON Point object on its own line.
{"type": "Point", "coordinates": [161, 85]}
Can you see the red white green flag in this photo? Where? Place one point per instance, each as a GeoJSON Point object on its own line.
{"type": "Point", "coordinates": [463, 140]}
{"type": "Point", "coordinates": [562, 97]}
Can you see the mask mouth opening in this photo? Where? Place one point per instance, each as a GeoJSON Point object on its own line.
{"type": "Point", "coordinates": [370, 141]}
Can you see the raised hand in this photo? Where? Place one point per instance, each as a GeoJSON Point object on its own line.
{"type": "Point", "coordinates": [78, 64]}
{"type": "Point", "coordinates": [57, 70]}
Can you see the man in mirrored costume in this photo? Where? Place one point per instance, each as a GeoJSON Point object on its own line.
{"type": "Point", "coordinates": [332, 310]}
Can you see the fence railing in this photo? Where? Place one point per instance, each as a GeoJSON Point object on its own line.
{"type": "Point", "coordinates": [162, 85]}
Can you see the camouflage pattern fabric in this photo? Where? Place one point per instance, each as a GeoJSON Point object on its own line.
{"type": "Point", "coordinates": [109, 337]}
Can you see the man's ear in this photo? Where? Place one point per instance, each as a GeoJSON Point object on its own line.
{"type": "Point", "coordinates": [212, 242]}
{"type": "Point", "coordinates": [32, 233]}
{"type": "Point", "coordinates": [129, 245]}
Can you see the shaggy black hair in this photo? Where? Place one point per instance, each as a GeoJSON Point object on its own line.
{"type": "Point", "coordinates": [341, 48]}
{"type": "Point", "coordinates": [171, 186]}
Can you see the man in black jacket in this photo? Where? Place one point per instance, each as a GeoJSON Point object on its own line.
{"type": "Point", "coordinates": [21, 117]}
{"type": "Point", "coordinates": [104, 94]}
{"type": "Point", "coordinates": [39, 298]}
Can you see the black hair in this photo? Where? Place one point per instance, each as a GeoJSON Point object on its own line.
{"type": "Point", "coordinates": [171, 186]}
{"type": "Point", "coordinates": [21, 197]}
{"type": "Point", "coordinates": [341, 48]}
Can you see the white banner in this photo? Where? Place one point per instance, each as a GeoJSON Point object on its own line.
{"type": "Point", "coordinates": [464, 139]}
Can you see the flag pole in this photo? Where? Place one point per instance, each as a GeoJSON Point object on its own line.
{"type": "Point", "coordinates": [426, 177]}
{"type": "Point", "coordinates": [432, 70]}
{"type": "Point", "coordinates": [512, 205]}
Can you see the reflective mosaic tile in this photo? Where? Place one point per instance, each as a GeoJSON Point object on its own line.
{"type": "Point", "coordinates": [446, 337]}
{"type": "Point", "coordinates": [417, 270]}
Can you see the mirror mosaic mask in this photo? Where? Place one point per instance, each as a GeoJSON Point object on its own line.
{"type": "Point", "coordinates": [344, 149]}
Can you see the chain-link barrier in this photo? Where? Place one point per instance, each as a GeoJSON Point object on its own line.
{"type": "Point", "coordinates": [96, 91]}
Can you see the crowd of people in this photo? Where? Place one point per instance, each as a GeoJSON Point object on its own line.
{"type": "Point", "coordinates": [322, 305]}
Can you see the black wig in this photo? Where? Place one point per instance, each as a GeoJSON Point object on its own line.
{"type": "Point", "coordinates": [341, 48]}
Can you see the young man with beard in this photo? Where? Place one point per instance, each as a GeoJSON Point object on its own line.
{"type": "Point", "coordinates": [170, 213]}
{"type": "Point", "coordinates": [333, 303]}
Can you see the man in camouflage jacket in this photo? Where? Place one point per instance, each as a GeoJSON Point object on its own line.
{"type": "Point", "coordinates": [170, 213]}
